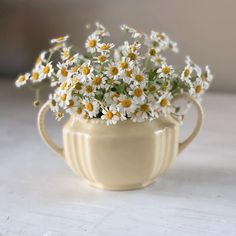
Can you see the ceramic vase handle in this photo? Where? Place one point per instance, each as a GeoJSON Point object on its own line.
{"type": "Point", "coordinates": [199, 121]}
{"type": "Point", "coordinates": [44, 135]}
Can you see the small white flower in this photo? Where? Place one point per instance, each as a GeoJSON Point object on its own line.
{"type": "Point", "coordinates": [134, 33]}
{"type": "Point", "coordinates": [142, 113]}
{"type": "Point", "coordinates": [110, 115]}
{"type": "Point", "coordinates": [186, 73]}
{"type": "Point", "coordinates": [53, 103]}
{"type": "Point", "coordinates": [99, 81]}
{"type": "Point", "coordinates": [164, 103]}
{"type": "Point", "coordinates": [158, 60]}
{"type": "Point", "coordinates": [63, 72]}
{"type": "Point", "coordinates": [61, 39]}
{"type": "Point", "coordinates": [92, 43]}
{"type": "Point", "coordinates": [165, 71]}
{"type": "Point", "coordinates": [138, 77]}
{"type": "Point", "coordinates": [65, 54]}
{"type": "Point", "coordinates": [105, 47]}
{"type": "Point", "coordinates": [137, 93]}
{"type": "Point", "coordinates": [91, 107]}
{"type": "Point", "coordinates": [113, 71]}
{"type": "Point", "coordinates": [46, 71]}
{"type": "Point", "coordinates": [88, 89]}
{"type": "Point", "coordinates": [86, 71]}
{"type": "Point", "coordinates": [59, 115]}
{"type": "Point", "coordinates": [35, 75]}
{"type": "Point", "coordinates": [102, 58]}
{"type": "Point", "coordinates": [126, 105]}
{"type": "Point", "coordinates": [22, 79]}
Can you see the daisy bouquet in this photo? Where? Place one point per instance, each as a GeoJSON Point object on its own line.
{"type": "Point", "coordinates": [131, 81]}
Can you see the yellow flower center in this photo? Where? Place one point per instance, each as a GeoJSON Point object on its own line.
{"type": "Point", "coordinates": [114, 70]}
{"type": "Point", "coordinates": [97, 80]}
{"type": "Point", "coordinates": [115, 95]}
{"type": "Point", "coordinates": [139, 78]}
{"type": "Point", "coordinates": [152, 88]}
{"type": "Point", "coordinates": [152, 52]}
{"type": "Point", "coordinates": [105, 47]}
{"type": "Point", "coordinates": [63, 85]}
{"type": "Point", "coordinates": [89, 89]}
{"type": "Point", "coordinates": [78, 86]}
{"type": "Point", "coordinates": [203, 77]}
{"type": "Point", "coordinates": [35, 75]}
{"type": "Point", "coordinates": [102, 58]}
{"type": "Point", "coordinates": [158, 60]}
{"type": "Point", "coordinates": [164, 102]}
{"type": "Point", "coordinates": [85, 70]}
{"type": "Point", "coordinates": [79, 110]}
{"type": "Point", "coordinates": [59, 39]}
{"type": "Point", "coordinates": [128, 73]}
{"type": "Point", "coordinates": [160, 36]}
{"type": "Point", "coordinates": [21, 78]}
{"type": "Point", "coordinates": [66, 54]}
{"type": "Point", "coordinates": [89, 106]}
{"type": "Point", "coordinates": [75, 68]}
{"type": "Point", "coordinates": [144, 107]}
{"type": "Point", "coordinates": [186, 73]}
{"type": "Point", "coordinates": [109, 115]}
{"type": "Point", "coordinates": [132, 56]}
{"type": "Point", "coordinates": [63, 97]}
{"type": "Point", "coordinates": [138, 92]}
{"type": "Point", "coordinates": [165, 70]}
{"type": "Point", "coordinates": [64, 71]}
{"type": "Point", "coordinates": [46, 70]}
{"type": "Point", "coordinates": [198, 88]}
{"type": "Point", "coordinates": [71, 104]}
{"type": "Point", "coordinates": [92, 43]}
{"type": "Point", "coordinates": [126, 103]}
{"type": "Point", "coordinates": [59, 114]}
{"type": "Point", "coordinates": [124, 65]}
{"type": "Point", "coordinates": [38, 60]}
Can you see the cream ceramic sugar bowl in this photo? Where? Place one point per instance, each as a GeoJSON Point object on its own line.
{"type": "Point", "coordinates": [124, 156]}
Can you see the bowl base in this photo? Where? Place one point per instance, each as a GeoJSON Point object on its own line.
{"type": "Point", "coordinates": [121, 187]}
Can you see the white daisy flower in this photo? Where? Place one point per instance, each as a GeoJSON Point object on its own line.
{"type": "Point", "coordinates": [22, 79]}
{"type": "Point", "coordinates": [101, 30]}
{"type": "Point", "coordinates": [110, 115]}
{"type": "Point", "coordinates": [113, 71]}
{"type": "Point", "coordinates": [91, 107]}
{"type": "Point", "coordinates": [98, 81]}
{"type": "Point", "coordinates": [61, 39]}
{"type": "Point", "coordinates": [138, 76]}
{"type": "Point", "coordinates": [137, 93]}
{"type": "Point", "coordinates": [73, 59]}
{"type": "Point", "coordinates": [112, 98]}
{"type": "Point", "coordinates": [105, 47]}
{"type": "Point", "coordinates": [41, 59]}
{"type": "Point", "coordinates": [125, 63]}
{"type": "Point", "coordinates": [92, 43]}
{"type": "Point", "coordinates": [158, 59]}
{"type": "Point", "coordinates": [78, 111]}
{"type": "Point", "coordinates": [63, 72]}
{"type": "Point", "coordinates": [35, 75]}
{"type": "Point", "coordinates": [65, 54]}
{"type": "Point", "coordinates": [142, 113]}
{"type": "Point", "coordinates": [88, 89]}
{"type": "Point", "coordinates": [86, 71]}
{"type": "Point", "coordinates": [59, 115]}
{"type": "Point", "coordinates": [126, 105]}
{"type": "Point", "coordinates": [165, 71]}
{"type": "Point", "coordinates": [164, 103]}
{"type": "Point", "coordinates": [134, 33]}
{"type": "Point", "coordinates": [186, 73]}
{"type": "Point", "coordinates": [102, 58]}
{"type": "Point", "coordinates": [53, 103]}
{"type": "Point", "coordinates": [46, 71]}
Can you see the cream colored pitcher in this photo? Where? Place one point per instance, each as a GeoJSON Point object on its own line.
{"type": "Point", "coordinates": [124, 156]}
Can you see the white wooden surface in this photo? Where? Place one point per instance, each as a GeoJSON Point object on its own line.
{"type": "Point", "coordinates": [40, 196]}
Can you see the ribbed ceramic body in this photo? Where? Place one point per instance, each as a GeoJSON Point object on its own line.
{"type": "Point", "coordinates": [124, 156]}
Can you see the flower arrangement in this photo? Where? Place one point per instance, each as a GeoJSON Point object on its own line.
{"type": "Point", "coordinates": [131, 81]}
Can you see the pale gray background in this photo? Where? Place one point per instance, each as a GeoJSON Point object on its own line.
{"type": "Point", "coordinates": [204, 29]}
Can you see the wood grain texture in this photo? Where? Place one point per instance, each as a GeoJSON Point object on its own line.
{"type": "Point", "coordinates": [40, 196]}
